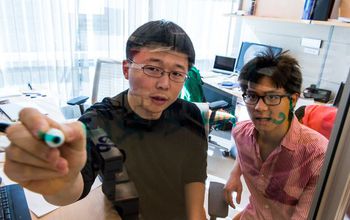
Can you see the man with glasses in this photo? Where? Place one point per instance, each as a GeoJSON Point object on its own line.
{"type": "Point", "coordinates": [279, 158]}
{"type": "Point", "coordinates": [162, 137]}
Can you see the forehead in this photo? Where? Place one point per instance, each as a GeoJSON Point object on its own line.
{"type": "Point", "coordinates": [264, 85]}
{"type": "Point", "coordinates": [161, 54]}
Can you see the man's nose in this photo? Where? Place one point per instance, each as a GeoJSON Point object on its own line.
{"type": "Point", "coordinates": [164, 81]}
{"type": "Point", "coordinates": [261, 104]}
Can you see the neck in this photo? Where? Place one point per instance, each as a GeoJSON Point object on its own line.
{"type": "Point", "coordinates": [270, 140]}
{"type": "Point", "coordinates": [267, 143]}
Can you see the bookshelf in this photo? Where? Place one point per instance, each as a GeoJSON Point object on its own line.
{"type": "Point", "coordinates": [330, 22]}
{"type": "Point", "coordinates": [290, 20]}
{"type": "Point", "coordinates": [291, 11]}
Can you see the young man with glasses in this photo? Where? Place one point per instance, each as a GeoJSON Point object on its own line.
{"type": "Point", "coordinates": [279, 158]}
{"type": "Point", "coordinates": [162, 137]}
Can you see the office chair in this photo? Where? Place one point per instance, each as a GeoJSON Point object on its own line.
{"type": "Point", "coordinates": [216, 113]}
{"type": "Point", "coordinates": [108, 81]}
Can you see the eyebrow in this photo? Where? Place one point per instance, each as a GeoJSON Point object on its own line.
{"type": "Point", "coordinates": [156, 60]}
{"type": "Point", "coordinates": [273, 92]}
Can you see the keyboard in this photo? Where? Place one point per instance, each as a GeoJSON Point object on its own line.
{"type": "Point", "coordinates": [13, 203]}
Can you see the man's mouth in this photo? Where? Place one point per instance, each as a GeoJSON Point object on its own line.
{"type": "Point", "coordinates": [263, 118]}
{"type": "Point", "coordinates": [159, 99]}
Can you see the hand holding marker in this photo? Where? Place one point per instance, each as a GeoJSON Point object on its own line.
{"type": "Point", "coordinates": [53, 137]}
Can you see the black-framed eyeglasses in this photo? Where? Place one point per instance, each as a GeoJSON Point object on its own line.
{"type": "Point", "coordinates": [157, 72]}
{"type": "Point", "coordinates": [271, 100]}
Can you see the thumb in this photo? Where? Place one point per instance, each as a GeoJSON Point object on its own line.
{"type": "Point", "coordinates": [75, 134]}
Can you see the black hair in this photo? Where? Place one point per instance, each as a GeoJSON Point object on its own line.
{"type": "Point", "coordinates": [283, 70]}
{"type": "Point", "coordinates": [161, 33]}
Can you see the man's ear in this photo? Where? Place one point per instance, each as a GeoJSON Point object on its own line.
{"type": "Point", "coordinates": [295, 98]}
{"type": "Point", "coordinates": [126, 65]}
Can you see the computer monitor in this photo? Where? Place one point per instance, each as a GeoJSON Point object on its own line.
{"type": "Point", "coordinates": [250, 50]}
{"type": "Point", "coordinates": [223, 64]}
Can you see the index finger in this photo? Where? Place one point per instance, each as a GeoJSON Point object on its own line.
{"type": "Point", "coordinates": [228, 197]}
{"type": "Point", "coordinates": [238, 196]}
{"type": "Point", "coordinates": [35, 121]}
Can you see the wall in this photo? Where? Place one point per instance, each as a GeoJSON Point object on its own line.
{"type": "Point", "coordinates": [327, 69]}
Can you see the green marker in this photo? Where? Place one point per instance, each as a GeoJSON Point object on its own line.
{"type": "Point", "coordinates": [53, 137]}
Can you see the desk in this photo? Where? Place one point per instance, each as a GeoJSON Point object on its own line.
{"type": "Point", "coordinates": [215, 81]}
{"type": "Point", "coordinates": [94, 206]}
{"type": "Point", "coordinates": [47, 103]}
{"type": "Point", "coordinates": [213, 91]}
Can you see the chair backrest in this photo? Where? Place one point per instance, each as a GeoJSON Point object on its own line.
{"type": "Point", "coordinates": [109, 79]}
{"type": "Point", "coordinates": [217, 205]}
{"type": "Point", "coordinates": [213, 94]}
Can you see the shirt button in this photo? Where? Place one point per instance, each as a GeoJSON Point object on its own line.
{"type": "Point", "coordinates": [266, 206]}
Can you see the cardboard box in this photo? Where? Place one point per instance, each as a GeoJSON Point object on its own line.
{"type": "Point", "coordinates": [344, 9]}
{"type": "Point", "coordinates": [291, 9]}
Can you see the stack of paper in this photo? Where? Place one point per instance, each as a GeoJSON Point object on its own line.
{"type": "Point", "coordinates": [11, 110]}
{"type": "Point", "coordinates": [344, 19]}
{"type": "Point", "coordinates": [8, 93]}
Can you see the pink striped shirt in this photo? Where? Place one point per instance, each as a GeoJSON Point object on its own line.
{"type": "Point", "coordinates": [283, 185]}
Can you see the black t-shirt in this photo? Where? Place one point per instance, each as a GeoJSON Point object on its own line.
{"type": "Point", "coordinates": [161, 155]}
